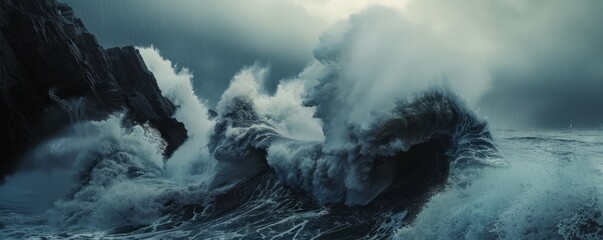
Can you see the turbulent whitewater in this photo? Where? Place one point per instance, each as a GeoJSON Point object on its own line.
{"type": "Point", "coordinates": [288, 165]}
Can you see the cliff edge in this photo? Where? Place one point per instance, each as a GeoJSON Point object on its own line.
{"type": "Point", "coordinates": [53, 72]}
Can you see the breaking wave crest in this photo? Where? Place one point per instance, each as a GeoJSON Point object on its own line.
{"type": "Point", "coordinates": [371, 158]}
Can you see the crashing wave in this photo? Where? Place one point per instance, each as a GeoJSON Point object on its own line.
{"type": "Point", "coordinates": [372, 159]}
{"type": "Point", "coordinates": [383, 129]}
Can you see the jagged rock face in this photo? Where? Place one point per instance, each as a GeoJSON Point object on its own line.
{"type": "Point", "coordinates": [44, 47]}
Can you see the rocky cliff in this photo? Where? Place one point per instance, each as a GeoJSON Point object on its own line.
{"type": "Point", "coordinates": [53, 72]}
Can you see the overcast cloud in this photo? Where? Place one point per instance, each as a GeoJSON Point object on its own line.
{"type": "Point", "coordinates": [520, 63]}
{"type": "Point", "coordinates": [214, 39]}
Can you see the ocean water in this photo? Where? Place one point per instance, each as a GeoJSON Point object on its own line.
{"type": "Point", "coordinates": [551, 189]}
{"type": "Point", "coordinates": [307, 162]}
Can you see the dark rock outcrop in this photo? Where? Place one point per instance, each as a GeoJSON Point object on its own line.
{"type": "Point", "coordinates": [47, 57]}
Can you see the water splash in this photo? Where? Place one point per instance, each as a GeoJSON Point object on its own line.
{"type": "Point", "coordinates": [75, 108]}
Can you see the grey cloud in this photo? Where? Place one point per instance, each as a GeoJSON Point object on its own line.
{"type": "Point", "coordinates": [548, 68]}
{"type": "Point", "coordinates": [542, 60]}
{"type": "Point", "coordinates": [215, 39]}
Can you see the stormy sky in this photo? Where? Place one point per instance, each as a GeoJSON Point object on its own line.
{"type": "Point", "coordinates": [526, 63]}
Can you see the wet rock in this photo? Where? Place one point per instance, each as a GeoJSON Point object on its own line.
{"type": "Point", "coordinates": [44, 47]}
